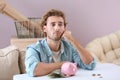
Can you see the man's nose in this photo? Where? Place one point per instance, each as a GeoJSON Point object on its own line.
{"type": "Point", "coordinates": [57, 27]}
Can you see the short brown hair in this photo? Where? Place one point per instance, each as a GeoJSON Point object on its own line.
{"type": "Point", "coordinates": [52, 12]}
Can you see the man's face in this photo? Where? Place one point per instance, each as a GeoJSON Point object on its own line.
{"type": "Point", "coordinates": [54, 28]}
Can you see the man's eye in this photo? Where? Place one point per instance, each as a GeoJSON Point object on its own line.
{"type": "Point", "coordinates": [60, 24]}
{"type": "Point", "coordinates": [53, 24]}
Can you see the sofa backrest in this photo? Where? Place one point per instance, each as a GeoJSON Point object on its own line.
{"type": "Point", "coordinates": [22, 43]}
{"type": "Point", "coordinates": [106, 48]}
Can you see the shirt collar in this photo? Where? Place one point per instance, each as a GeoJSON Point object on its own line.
{"type": "Point", "coordinates": [62, 47]}
{"type": "Point", "coordinates": [49, 52]}
{"type": "Point", "coordinates": [44, 41]}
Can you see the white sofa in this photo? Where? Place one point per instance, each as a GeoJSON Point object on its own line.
{"type": "Point", "coordinates": [12, 58]}
{"type": "Point", "coordinates": [106, 48]}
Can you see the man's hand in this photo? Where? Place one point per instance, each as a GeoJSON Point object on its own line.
{"type": "Point", "coordinates": [67, 36]}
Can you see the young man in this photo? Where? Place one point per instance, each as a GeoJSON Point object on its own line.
{"type": "Point", "coordinates": [50, 53]}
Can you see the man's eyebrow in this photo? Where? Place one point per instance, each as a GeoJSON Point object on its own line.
{"type": "Point", "coordinates": [60, 22]}
{"type": "Point", "coordinates": [53, 22]}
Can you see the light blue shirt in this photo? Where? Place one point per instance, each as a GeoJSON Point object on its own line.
{"type": "Point", "coordinates": [40, 52]}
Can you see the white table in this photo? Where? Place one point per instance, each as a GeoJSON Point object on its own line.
{"type": "Point", "coordinates": [104, 71]}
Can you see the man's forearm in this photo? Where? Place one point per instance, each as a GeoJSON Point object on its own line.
{"type": "Point", "coordinates": [45, 68]}
{"type": "Point", "coordinates": [84, 54]}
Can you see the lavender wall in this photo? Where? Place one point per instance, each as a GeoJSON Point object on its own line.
{"type": "Point", "coordinates": [87, 19]}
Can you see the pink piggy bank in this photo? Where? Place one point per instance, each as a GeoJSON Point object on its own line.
{"type": "Point", "coordinates": [69, 69]}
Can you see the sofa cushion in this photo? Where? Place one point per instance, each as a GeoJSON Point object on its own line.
{"type": "Point", "coordinates": [9, 62]}
{"type": "Point", "coordinates": [117, 61]}
{"type": "Point", "coordinates": [22, 60]}
{"type": "Point", "coordinates": [110, 56]}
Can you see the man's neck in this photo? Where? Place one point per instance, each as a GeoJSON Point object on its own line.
{"type": "Point", "coordinates": [54, 45]}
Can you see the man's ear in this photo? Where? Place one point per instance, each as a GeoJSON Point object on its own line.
{"type": "Point", "coordinates": [44, 28]}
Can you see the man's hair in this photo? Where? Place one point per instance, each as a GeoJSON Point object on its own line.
{"type": "Point", "coordinates": [50, 13]}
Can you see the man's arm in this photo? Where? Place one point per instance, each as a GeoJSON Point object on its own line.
{"type": "Point", "coordinates": [83, 53]}
{"type": "Point", "coordinates": [45, 68]}
{"type": "Point", "coordinates": [34, 67]}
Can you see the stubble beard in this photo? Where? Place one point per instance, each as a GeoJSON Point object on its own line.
{"type": "Point", "coordinates": [57, 38]}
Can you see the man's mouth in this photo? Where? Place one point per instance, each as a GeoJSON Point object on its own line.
{"type": "Point", "coordinates": [57, 33]}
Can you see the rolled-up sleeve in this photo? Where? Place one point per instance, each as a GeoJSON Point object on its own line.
{"type": "Point", "coordinates": [31, 60]}
{"type": "Point", "coordinates": [90, 66]}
